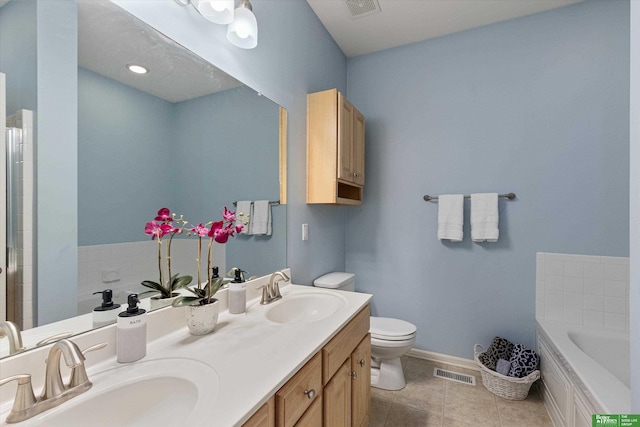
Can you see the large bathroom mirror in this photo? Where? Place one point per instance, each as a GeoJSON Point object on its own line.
{"type": "Point", "coordinates": [185, 136]}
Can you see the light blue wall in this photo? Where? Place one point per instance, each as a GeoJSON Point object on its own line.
{"type": "Point", "coordinates": [295, 56]}
{"type": "Point", "coordinates": [537, 106]}
{"type": "Point", "coordinates": [18, 53]}
{"type": "Point", "coordinates": [57, 161]}
{"type": "Point", "coordinates": [125, 164]}
{"type": "Point", "coordinates": [230, 153]}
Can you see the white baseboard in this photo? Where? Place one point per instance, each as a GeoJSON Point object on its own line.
{"type": "Point", "coordinates": [444, 358]}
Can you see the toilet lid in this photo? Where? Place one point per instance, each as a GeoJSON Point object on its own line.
{"type": "Point", "coordinates": [391, 329]}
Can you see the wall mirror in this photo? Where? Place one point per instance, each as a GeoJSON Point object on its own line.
{"type": "Point", "coordinates": [185, 135]}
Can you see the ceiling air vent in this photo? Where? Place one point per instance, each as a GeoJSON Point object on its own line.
{"type": "Point", "coordinates": [361, 8]}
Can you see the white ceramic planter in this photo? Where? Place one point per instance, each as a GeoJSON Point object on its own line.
{"type": "Point", "coordinates": [202, 319]}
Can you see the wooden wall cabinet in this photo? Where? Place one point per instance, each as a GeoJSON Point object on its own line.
{"type": "Point", "coordinates": [333, 389]}
{"type": "Point", "coordinates": [335, 149]}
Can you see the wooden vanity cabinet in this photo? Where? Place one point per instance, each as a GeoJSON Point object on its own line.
{"type": "Point", "coordinates": [335, 149]}
{"type": "Point", "coordinates": [265, 416]}
{"type": "Point", "coordinates": [331, 390]}
{"type": "Point", "coordinates": [346, 372]}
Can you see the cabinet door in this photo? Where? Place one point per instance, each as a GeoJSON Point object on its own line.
{"type": "Point", "coordinates": [293, 399]}
{"type": "Point", "coordinates": [345, 139]}
{"type": "Point", "coordinates": [357, 155]}
{"type": "Point", "coordinates": [337, 398]}
{"type": "Point", "coordinates": [313, 416]}
{"type": "Point", "coordinates": [361, 383]}
{"type": "Point", "coordinates": [264, 417]}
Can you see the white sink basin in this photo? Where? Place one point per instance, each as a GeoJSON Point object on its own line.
{"type": "Point", "coordinates": [304, 307]}
{"type": "Point", "coordinates": [160, 392]}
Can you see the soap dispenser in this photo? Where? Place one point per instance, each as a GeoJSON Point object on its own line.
{"type": "Point", "coordinates": [132, 332]}
{"type": "Point", "coordinates": [106, 313]}
{"type": "Point", "coordinates": [238, 293]}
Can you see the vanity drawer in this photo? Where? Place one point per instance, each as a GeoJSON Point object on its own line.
{"type": "Point", "coordinates": [340, 347]}
{"type": "Point", "coordinates": [313, 416]}
{"type": "Point", "coordinates": [291, 399]}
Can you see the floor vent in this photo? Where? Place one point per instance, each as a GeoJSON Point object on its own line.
{"type": "Point", "coordinates": [362, 8]}
{"type": "Point", "coordinates": [454, 376]}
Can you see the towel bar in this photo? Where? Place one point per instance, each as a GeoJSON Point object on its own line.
{"type": "Point", "coordinates": [509, 196]}
{"type": "Point", "coordinates": [271, 202]}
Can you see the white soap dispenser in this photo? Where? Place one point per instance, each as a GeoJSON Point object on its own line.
{"type": "Point", "coordinates": [132, 332]}
{"type": "Point", "coordinates": [238, 293]}
{"type": "Point", "coordinates": [107, 312]}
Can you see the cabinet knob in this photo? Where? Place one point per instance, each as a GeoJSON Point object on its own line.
{"type": "Point", "coordinates": [310, 393]}
{"type": "Point", "coordinates": [354, 375]}
{"type": "Point", "coordinates": [361, 362]}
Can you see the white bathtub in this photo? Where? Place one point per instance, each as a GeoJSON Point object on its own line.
{"type": "Point", "coordinates": [597, 362]}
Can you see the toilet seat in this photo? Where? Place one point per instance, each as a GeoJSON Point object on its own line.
{"type": "Point", "coordinates": [388, 329]}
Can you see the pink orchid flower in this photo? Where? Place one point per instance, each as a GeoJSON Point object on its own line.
{"type": "Point", "coordinates": [219, 233]}
{"type": "Point", "coordinates": [164, 214]}
{"type": "Point", "coordinates": [200, 230]}
{"type": "Point", "coordinates": [239, 228]}
{"type": "Point", "coordinates": [228, 216]}
{"type": "Point", "coordinates": [154, 229]}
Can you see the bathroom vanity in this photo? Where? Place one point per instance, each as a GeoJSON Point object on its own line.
{"type": "Point", "coordinates": [303, 360]}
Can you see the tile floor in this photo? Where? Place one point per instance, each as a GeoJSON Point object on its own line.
{"type": "Point", "coordinates": [429, 401]}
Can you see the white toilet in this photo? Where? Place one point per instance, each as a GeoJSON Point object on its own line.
{"type": "Point", "coordinates": [390, 338]}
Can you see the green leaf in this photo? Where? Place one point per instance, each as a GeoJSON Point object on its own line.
{"type": "Point", "coordinates": [156, 287]}
{"type": "Point", "coordinates": [180, 282]}
{"type": "Point", "coordinates": [184, 301]}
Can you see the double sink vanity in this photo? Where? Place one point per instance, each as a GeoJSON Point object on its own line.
{"type": "Point", "coordinates": [303, 360]}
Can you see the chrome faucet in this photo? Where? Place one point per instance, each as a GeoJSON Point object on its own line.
{"type": "Point", "coordinates": [12, 332]}
{"type": "Point", "coordinates": [271, 291]}
{"type": "Point", "coordinates": [54, 392]}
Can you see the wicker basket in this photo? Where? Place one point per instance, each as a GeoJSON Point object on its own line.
{"type": "Point", "coordinates": [506, 387]}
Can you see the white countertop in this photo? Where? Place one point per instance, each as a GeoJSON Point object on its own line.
{"type": "Point", "coordinates": [252, 356]}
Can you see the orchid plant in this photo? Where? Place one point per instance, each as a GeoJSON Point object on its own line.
{"type": "Point", "coordinates": [218, 231]}
{"type": "Point", "coordinates": [163, 225]}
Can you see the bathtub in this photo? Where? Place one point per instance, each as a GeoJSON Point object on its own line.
{"type": "Point", "coordinates": [595, 361]}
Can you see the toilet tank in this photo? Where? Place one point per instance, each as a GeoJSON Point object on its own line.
{"type": "Point", "coordinates": [337, 280]}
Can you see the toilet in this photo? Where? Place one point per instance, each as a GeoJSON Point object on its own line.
{"type": "Point", "coordinates": [390, 338]}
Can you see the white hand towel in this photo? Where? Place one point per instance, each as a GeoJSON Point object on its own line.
{"type": "Point", "coordinates": [450, 217]}
{"type": "Point", "coordinates": [244, 210]}
{"type": "Point", "coordinates": [484, 217]}
{"type": "Point", "coordinates": [261, 219]}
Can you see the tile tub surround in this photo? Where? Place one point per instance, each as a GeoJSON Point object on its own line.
{"type": "Point", "coordinates": [590, 291]}
{"type": "Point", "coordinates": [430, 401]}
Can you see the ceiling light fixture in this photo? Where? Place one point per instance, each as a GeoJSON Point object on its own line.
{"type": "Point", "coordinates": [243, 26]}
{"type": "Point", "coordinates": [218, 11]}
{"type": "Point", "coordinates": [138, 69]}
{"type": "Point", "coordinates": [243, 31]}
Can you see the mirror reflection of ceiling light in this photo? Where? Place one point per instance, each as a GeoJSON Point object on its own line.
{"type": "Point", "coordinates": [243, 26]}
{"type": "Point", "coordinates": [138, 69]}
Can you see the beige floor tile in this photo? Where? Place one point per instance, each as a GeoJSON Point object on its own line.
{"type": "Point", "coordinates": [422, 391]}
{"type": "Point", "coordinates": [450, 422]}
{"type": "Point", "coordinates": [379, 411]}
{"type": "Point", "coordinates": [471, 408]}
{"type": "Point", "coordinates": [515, 417]}
{"type": "Point", "coordinates": [533, 402]}
{"type": "Point", "coordinates": [389, 395]}
{"type": "Point", "coordinates": [478, 391]}
{"type": "Point", "coordinates": [406, 416]}
{"type": "Point", "coordinates": [420, 365]}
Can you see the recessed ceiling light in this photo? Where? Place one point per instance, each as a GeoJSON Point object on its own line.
{"type": "Point", "coordinates": [138, 69]}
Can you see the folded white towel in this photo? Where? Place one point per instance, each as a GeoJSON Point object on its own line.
{"type": "Point", "coordinates": [261, 218]}
{"type": "Point", "coordinates": [484, 217]}
{"type": "Point", "coordinates": [450, 217]}
{"type": "Point", "coordinates": [244, 210]}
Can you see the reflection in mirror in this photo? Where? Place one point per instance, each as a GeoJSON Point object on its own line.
{"type": "Point", "coordinates": [184, 136]}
